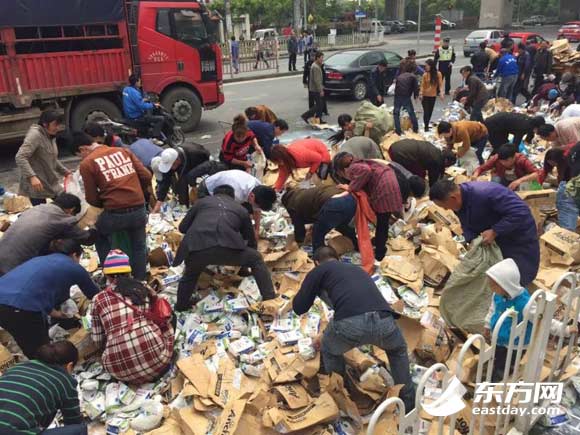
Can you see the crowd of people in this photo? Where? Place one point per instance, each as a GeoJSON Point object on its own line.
{"type": "Point", "coordinates": [357, 186]}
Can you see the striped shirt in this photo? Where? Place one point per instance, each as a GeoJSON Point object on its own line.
{"type": "Point", "coordinates": [32, 392]}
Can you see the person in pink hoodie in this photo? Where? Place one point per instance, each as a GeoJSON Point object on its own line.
{"type": "Point", "coordinates": [303, 153]}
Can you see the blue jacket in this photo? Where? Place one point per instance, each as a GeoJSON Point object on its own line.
{"type": "Point", "coordinates": [134, 106]}
{"type": "Point", "coordinates": [501, 305]}
{"type": "Point", "coordinates": [264, 132]}
{"type": "Point", "coordinates": [507, 66]}
{"type": "Point", "coordinates": [235, 49]}
{"type": "Point", "coordinates": [43, 283]}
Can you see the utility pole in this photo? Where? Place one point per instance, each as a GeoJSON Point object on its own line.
{"type": "Point", "coordinates": [229, 26]}
{"type": "Point", "coordinates": [419, 30]}
{"type": "Point", "coordinates": [305, 16]}
{"type": "Point", "coordinates": [297, 16]}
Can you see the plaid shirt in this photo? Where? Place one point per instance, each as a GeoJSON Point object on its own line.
{"type": "Point", "coordinates": [379, 182]}
{"type": "Point", "coordinates": [136, 350]}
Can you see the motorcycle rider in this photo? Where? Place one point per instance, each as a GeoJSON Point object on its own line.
{"type": "Point", "coordinates": [139, 111]}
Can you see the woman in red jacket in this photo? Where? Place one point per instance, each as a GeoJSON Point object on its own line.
{"type": "Point", "coordinates": [237, 145]}
{"type": "Point", "coordinates": [302, 153]}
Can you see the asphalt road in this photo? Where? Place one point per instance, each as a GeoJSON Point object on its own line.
{"type": "Point", "coordinates": [287, 98]}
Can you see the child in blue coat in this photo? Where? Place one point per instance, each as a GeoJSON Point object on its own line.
{"type": "Point", "coordinates": [504, 282]}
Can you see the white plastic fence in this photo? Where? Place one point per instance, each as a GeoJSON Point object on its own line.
{"type": "Point", "coordinates": [567, 291]}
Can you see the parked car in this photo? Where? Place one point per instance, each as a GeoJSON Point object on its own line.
{"type": "Point", "coordinates": [269, 33]}
{"type": "Point", "coordinates": [472, 41]}
{"type": "Point", "coordinates": [521, 37]}
{"type": "Point", "coordinates": [396, 26]}
{"type": "Point", "coordinates": [570, 31]}
{"type": "Point", "coordinates": [371, 26]}
{"type": "Point", "coordinates": [446, 24]}
{"type": "Point", "coordinates": [534, 20]}
{"type": "Point", "coordinates": [409, 24]}
{"type": "Point", "coordinates": [348, 72]}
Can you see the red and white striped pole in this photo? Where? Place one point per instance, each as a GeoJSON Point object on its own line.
{"type": "Point", "coordinates": [437, 39]}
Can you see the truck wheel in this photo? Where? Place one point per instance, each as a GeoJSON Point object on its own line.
{"type": "Point", "coordinates": [184, 106]}
{"type": "Point", "coordinates": [91, 109]}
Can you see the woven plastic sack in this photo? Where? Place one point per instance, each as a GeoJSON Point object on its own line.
{"type": "Point", "coordinates": [381, 118]}
{"type": "Point", "coordinates": [466, 298]}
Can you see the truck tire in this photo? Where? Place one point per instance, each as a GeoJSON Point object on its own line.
{"type": "Point", "coordinates": [90, 109]}
{"type": "Point", "coordinates": [184, 106]}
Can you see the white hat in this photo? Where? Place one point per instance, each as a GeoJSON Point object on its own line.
{"type": "Point", "coordinates": [155, 162]}
{"type": "Point", "coordinates": [507, 275]}
{"type": "Point", "coordinates": [168, 158]}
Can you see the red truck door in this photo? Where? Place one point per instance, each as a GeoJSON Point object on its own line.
{"type": "Point", "coordinates": [156, 48]}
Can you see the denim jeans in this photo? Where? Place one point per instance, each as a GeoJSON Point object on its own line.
{"type": "Point", "coordinates": [507, 86]}
{"type": "Point", "coordinates": [133, 223]}
{"type": "Point", "coordinates": [335, 213]}
{"type": "Point", "coordinates": [567, 209]}
{"type": "Point", "coordinates": [407, 104]}
{"type": "Point", "coordinates": [375, 328]}
{"type": "Point", "coordinates": [71, 429]}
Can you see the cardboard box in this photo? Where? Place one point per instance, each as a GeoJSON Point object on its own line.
{"type": "Point", "coordinates": [16, 204]}
{"type": "Point", "coordinates": [563, 246]}
{"type": "Point", "coordinates": [445, 217]}
{"type": "Point", "coordinates": [434, 344]}
{"type": "Point", "coordinates": [85, 345]}
{"type": "Point", "coordinates": [539, 200]}
{"type": "Point", "coordinates": [321, 410]}
{"type": "Point", "coordinates": [7, 360]}
{"type": "Point", "coordinates": [408, 271]}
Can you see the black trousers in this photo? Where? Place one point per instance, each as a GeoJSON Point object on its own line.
{"type": "Point", "coordinates": [381, 235]}
{"type": "Point", "coordinates": [260, 56]}
{"type": "Point", "coordinates": [522, 88]}
{"type": "Point", "coordinates": [197, 261]}
{"type": "Point", "coordinates": [29, 328]}
{"type": "Point", "coordinates": [317, 108]}
{"type": "Point", "coordinates": [291, 61]}
{"type": "Point", "coordinates": [156, 122]}
{"type": "Point", "coordinates": [446, 73]}
{"type": "Point", "coordinates": [428, 106]}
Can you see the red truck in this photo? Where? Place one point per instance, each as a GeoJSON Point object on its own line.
{"type": "Point", "coordinates": [77, 55]}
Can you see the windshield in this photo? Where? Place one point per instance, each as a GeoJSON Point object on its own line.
{"type": "Point", "coordinates": [189, 26]}
{"type": "Point", "coordinates": [479, 34]}
{"type": "Point", "coordinates": [342, 59]}
{"type": "Point", "coordinates": [571, 26]}
{"type": "Point", "coordinates": [516, 40]}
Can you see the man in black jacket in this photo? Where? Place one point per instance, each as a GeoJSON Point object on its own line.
{"type": "Point", "coordinates": [422, 158]}
{"type": "Point", "coordinates": [378, 83]}
{"type": "Point", "coordinates": [218, 231]}
{"type": "Point", "coordinates": [542, 64]}
{"type": "Point", "coordinates": [327, 207]}
{"type": "Point", "coordinates": [524, 60]}
{"type": "Point", "coordinates": [480, 61]}
{"type": "Point", "coordinates": [502, 124]}
{"type": "Point", "coordinates": [477, 96]}
{"type": "Point", "coordinates": [172, 168]}
{"type": "Point", "coordinates": [361, 316]}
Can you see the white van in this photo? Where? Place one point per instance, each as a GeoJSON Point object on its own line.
{"type": "Point", "coordinates": [265, 34]}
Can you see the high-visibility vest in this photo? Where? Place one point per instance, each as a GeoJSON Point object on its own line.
{"type": "Point", "coordinates": [445, 54]}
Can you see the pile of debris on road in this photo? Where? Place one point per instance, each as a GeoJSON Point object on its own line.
{"type": "Point", "coordinates": [243, 365]}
